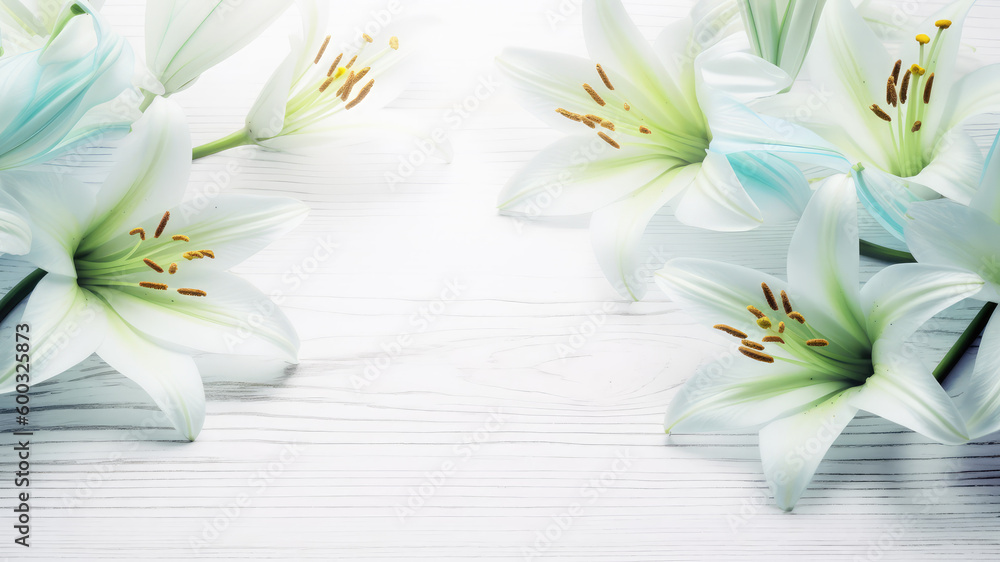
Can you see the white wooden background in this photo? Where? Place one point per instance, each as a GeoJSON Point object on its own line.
{"type": "Point", "coordinates": [521, 417]}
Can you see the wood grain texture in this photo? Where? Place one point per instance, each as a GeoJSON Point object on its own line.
{"type": "Point", "coordinates": [470, 386]}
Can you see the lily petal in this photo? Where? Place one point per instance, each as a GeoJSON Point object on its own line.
{"type": "Point", "coordinates": [616, 230]}
{"type": "Point", "coordinates": [580, 174]}
{"type": "Point", "coordinates": [987, 197]}
{"type": "Point", "coordinates": [955, 169]}
{"type": "Point", "coordinates": [717, 200]}
{"type": "Point", "coordinates": [234, 317]}
{"type": "Point", "coordinates": [791, 448]}
{"type": "Point", "coordinates": [948, 234]}
{"type": "Point", "coordinates": [779, 188]}
{"type": "Point", "coordinates": [15, 233]}
{"type": "Point", "coordinates": [171, 379]}
{"type": "Point", "coordinates": [887, 197]}
{"type": "Point", "coordinates": [973, 94]}
{"type": "Point", "coordinates": [901, 298]}
{"type": "Point", "coordinates": [745, 395]}
{"type": "Point", "coordinates": [149, 177]}
{"type": "Point", "coordinates": [977, 392]}
{"type": "Point", "coordinates": [56, 230]}
{"type": "Point", "coordinates": [67, 325]}
{"type": "Point", "coordinates": [904, 391]}
{"type": "Point", "coordinates": [184, 38]}
{"type": "Point", "coordinates": [823, 261]}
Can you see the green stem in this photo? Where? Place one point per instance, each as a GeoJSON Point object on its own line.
{"type": "Point", "coordinates": [970, 334]}
{"type": "Point", "coordinates": [20, 292]}
{"type": "Point", "coordinates": [239, 138]}
{"type": "Point", "coordinates": [885, 254]}
{"type": "Point", "coordinates": [147, 100]}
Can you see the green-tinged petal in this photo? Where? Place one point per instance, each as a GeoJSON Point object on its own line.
{"type": "Point", "coordinates": [234, 317]}
{"type": "Point", "coordinates": [15, 232]}
{"type": "Point", "coordinates": [823, 263]}
{"type": "Point", "coordinates": [948, 234]}
{"type": "Point", "coordinates": [848, 67]}
{"type": "Point", "coordinates": [791, 448]}
{"type": "Point", "coordinates": [580, 174]}
{"type": "Point", "coordinates": [973, 94]}
{"type": "Point", "coordinates": [987, 197]}
{"type": "Point", "coordinates": [740, 75]}
{"type": "Point", "coordinates": [66, 325]}
{"type": "Point", "coordinates": [903, 390]}
{"type": "Point", "coordinates": [187, 37]}
{"type": "Point", "coordinates": [615, 42]}
{"type": "Point", "coordinates": [887, 197]}
{"type": "Point", "coordinates": [545, 81]}
{"type": "Point", "coordinates": [900, 298]}
{"type": "Point", "coordinates": [716, 200]}
{"type": "Point", "coordinates": [717, 292]}
{"type": "Point", "coordinates": [150, 175]}
{"type": "Point", "coordinates": [779, 187]}
{"type": "Point", "coordinates": [616, 230]}
{"type": "Point", "coordinates": [955, 169]}
{"type": "Point", "coordinates": [734, 394]}
{"type": "Point", "coordinates": [266, 118]}
{"type": "Point", "coordinates": [57, 209]}
{"type": "Point", "coordinates": [171, 379]}
{"type": "Point", "coordinates": [977, 391]}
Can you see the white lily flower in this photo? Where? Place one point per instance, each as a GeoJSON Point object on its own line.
{"type": "Point", "coordinates": [968, 237]}
{"type": "Point", "coordinates": [184, 38]}
{"type": "Point", "coordinates": [315, 96]}
{"type": "Point", "coordinates": [895, 122]}
{"type": "Point", "coordinates": [815, 349]}
{"type": "Point", "coordinates": [143, 288]}
{"type": "Point", "coordinates": [643, 139]}
{"type": "Point", "coordinates": [26, 26]}
{"type": "Point", "coordinates": [63, 89]}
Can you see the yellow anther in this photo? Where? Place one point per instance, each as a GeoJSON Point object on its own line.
{"type": "Point", "coordinates": [368, 37]}
{"type": "Point", "coordinates": [818, 342]}
{"type": "Point", "coordinates": [922, 39]}
{"type": "Point", "coordinates": [917, 69]}
{"type": "Point", "coordinates": [179, 237]}
{"type": "Point", "coordinates": [326, 84]}
{"type": "Point", "coordinates": [152, 265]}
{"type": "Point", "coordinates": [162, 225]}
{"type": "Point", "coordinates": [394, 43]}
{"type": "Point", "coordinates": [140, 231]}
{"type": "Point", "coordinates": [192, 292]}
{"type": "Point", "coordinates": [756, 355]}
{"type": "Point", "coordinates": [322, 50]}
{"type": "Point", "coordinates": [593, 94]}
{"type": "Point", "coordinates": [797, 317]}
{"type": "Point", "coordinates": [781, 327]}
{"type": "Point", "coordinates": [609, 140]}
{"type": "Point", "coordinates": [628, 107]}
{"type": "Point", "coordinates": [173, 268]}
{"type": "Point", "coordinates": [207, 253]}
{"type": "Point", "coordinates": [645, 130]}
{"type": "Point", "coordinates": [943, 24]}
{"type": "Point", "coordinates": [569, 114]}
{"type": "Point", "coordinates": [604, 78]}
{"type": "Point", "coordinates": [772, 339]}
{"type": "Point", "coordinates": [915, 127]}
{"type": "Point", "coordinates": [731, 331]}
{"type": "Point", "coordinates": [361, 94]}
{"type": "Point", "coordinates": [157, 286]}
{"type": "Point", "coordinates": [194, 255]}
{"type": "Point", "coordinates": [755, 311]}
{"type": "Point", "coordinates": [753, 345]}
{"type": "Point", "coordinates": [333, 67]}
{"type": "Point", "coordinates": [764, 323]}
{"type": "Point", "coordinates": [769, 296]}
{"type": "Point", "coordinates": [786, 303]}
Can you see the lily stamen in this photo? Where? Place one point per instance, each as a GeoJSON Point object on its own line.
{"type": "Point", "coordinates": [180, 237]}
{"type": "Point", "coordinates": [322, 50]}
{"type": "Point", "coordinates": [772, 339]}
{"type": "Point", "coordinates": [785, 302]}
{"type": "Point", "coordinates": [333, 67]}
{"type": "Point", "coordinates": [361, 94]}
{"type": "Point", "coordinates": [157, 286]}
{"type": "Point", "coordinates": [731, 331]}
{"type": "Point", "coordinates": [162, 225]}
{"type": "Point", "coordinates": [752, 345]}
{"type": "Point", "coordinates": [609, 140]}
{"type": "Point", "coordinates": [927, 88]}
{"type": "Point", "coordinates": [756, 355]}
{"type": "Point", "coordinates": [140, 231]}
{"type": "Point", "coordinates": [895, 72]}
{"type": "Point", "coordinates": [173, 268]}
{"type": "Point", "coordinates": [817, 342]}
{"type": "Point", "coordinates": [153, 265]}
{"type": "Point", "coordinates": [915, 127]}
{"type": "Point", "coordinates": [604, 78]}
{"type": "Point", "coordinates": [769, 296]}
{"type": "Point", "coordinates": [593, 94]}
{"type": "Point", "coordinates": [904, 88]}
{"type": "Point", "coordinates": [645, 130]}
{"type": "Point", "coordinates": [880, 114]}
{"type": "Point", "coordinates": [207, 253]}
{"type": "Point", "coordinates": [192, 292]}
{"type": "Point", "coordinates": [755, 311]}
{"type": "Point", "coordinates": [797, 316]}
